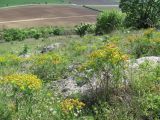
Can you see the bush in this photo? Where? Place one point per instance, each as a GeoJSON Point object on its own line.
{"type": "Point", "coordinates": [150, 106]}
{"type": "Point", "coordinates": [21, 34]}
{"type": "Point", "coordinates": [83, 28]}
{"type": "Point", "coordinates": [57, 31]}
{"type": "Point", "coordinates": [14, 35]}
{"type": "Point", "coordinates": [141, 13]}
{"type": "Point", "coordinates": [37, 35]}
{"type": "Point", "coordinates": [106, 65]}
{"type": "Point", "coordinates": [108, 21]}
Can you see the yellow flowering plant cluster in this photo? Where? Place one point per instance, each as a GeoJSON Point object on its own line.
{"type": "Point", "coordinates": [2, 59]}
{"type": "Point", "coordinates": [42, 59]}
{"type": "Point", "coordinates": [149, 32]}
{"type": "Point", "coordinates": [10, 59]}
{"type": "Point", "coordinates": [48, 66]}
{"type": "Point", "coordinates": [70, 105]}
{"type": "Point", "coordinates": [21, 87]}
{"type": "Point", "coordinates": [107, 64]}
{"type": "Point", "coordinates": [23, 82]}
{"type": "Point", "coordinates": [108, 54]}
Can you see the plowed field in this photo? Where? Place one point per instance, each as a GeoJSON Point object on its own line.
{"type": "Point", "coordinates": [45, 15]}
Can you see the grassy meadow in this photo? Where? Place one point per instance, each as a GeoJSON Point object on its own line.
{"type": "Point", "coordinates": [42, 101]}
{"type": "Point", "coordinates": [5, 3]}
{"type": "Point", "coordinates": [109, 70]}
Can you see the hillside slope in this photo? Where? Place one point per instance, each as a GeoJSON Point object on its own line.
{"type": "Point", "coordinates": [95, 2]}
{"type": "Point", "coordinates": [4, 3]}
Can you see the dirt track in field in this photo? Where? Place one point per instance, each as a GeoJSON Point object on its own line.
{"type": "Point", "coordinates": [45, 15]}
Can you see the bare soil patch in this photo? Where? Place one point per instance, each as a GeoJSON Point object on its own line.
{"type": "Point", "coordinates": [42, 15]}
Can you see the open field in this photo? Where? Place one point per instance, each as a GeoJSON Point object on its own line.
{"type": "Point", "coordinates": [45, 15]}
{"type": "Point", "coordinates": [5, 3]}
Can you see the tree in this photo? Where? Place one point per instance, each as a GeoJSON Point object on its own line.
{"type": "Point", "coordinates": [141, 13]}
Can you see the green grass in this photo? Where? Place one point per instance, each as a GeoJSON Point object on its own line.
{"type": "Point", "coordinates": [76, 50]}
{"type": "Point", "coordinates": [5, 3]}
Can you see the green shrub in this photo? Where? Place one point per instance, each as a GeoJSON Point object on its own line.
{"type": "Point", "coordinates": [21, 34]}
{"type": "Point", "coordinates": [150, 106]}
{"type": "Point", "coordinates": [141, 13]}
{"type": "Point", "coordinates": [108, 21]}
{"type": "Point", "coordinates": [14, 35]}
{"type": "Point", "coordinates": [37, 35]}
{"type": "Point", "coordinates": [106, 64]}
{"type": "Point", "coordinates": [57, 31]}
{"type": "Point", "coordinates": [83, 28]}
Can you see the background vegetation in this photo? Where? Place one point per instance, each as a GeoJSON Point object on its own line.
{"type": "Point", "coordinates": [5, 3]}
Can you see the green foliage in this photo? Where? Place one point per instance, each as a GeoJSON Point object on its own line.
{"type": "Point", "coordinates": [146, 83]}
{"type": "Point", "coordinates": [21, 34]}
{"type": "Point", "coordinates": [5, 112]}
{"type": "Point", "coordinates": [151, 105]}
{"type": "Point", "coordinates": [25, 50]}
{"type": "Point", "coordinates": [14, 35]}
{"type": "Point", "coordinates": [146, 45]}
{"type": "Point", "coordinates": [37, 35]}
{"type": "Point", "coordinates": [109, 21]}
{"type": "Point", "coordinates": [23, 2]}
{"type": "Point", "coordinates": [57, 31]}
{"type": "Point", "coordinates": [83, 29]}
{"type": "Point", "coordinates": [43, 104]}
{"type": "Point", "coordinates": [104, 111]}
{"type": "Point", "coordinates": [49, 67]}
{"type": "Point", "coordinates": [124, 93]}
{"type": "Point", "coordinates": [141, 13]}
{"type": "Point", "coordinates": [106, 64]}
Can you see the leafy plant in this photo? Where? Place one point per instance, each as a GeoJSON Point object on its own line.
{"type": "Point", "coordinates": [106, 64]}
{"type": "Point", "coordinates": [57, 31]}
{"type": "Point", "coordinates": [25, 50]}
{"type": "Point", "coordinates": [141, 13]}
{"type": "Point", "coordinates": [83, 28]}
{"type": "Point", "coordinates": [151, 105]}
{"type": "Point", "coordinates": [108, 21]}
{"type": "Point", "coordinates": [14, 35]}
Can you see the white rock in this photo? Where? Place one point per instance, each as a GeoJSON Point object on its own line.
{"type": "Point", "coordinates": [153, 59]}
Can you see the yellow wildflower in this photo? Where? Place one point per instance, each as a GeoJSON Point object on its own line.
{"type": "Point", "coordinates": [110, 53]}
{"type": "Point", "coordinates": [69, 105]}
{"type": "Point", "coordinates": [149, 31]}
{"type": "Point", "coordinates": [2, 59]}
{"type": "Point", "coordinates": [23, 81]}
